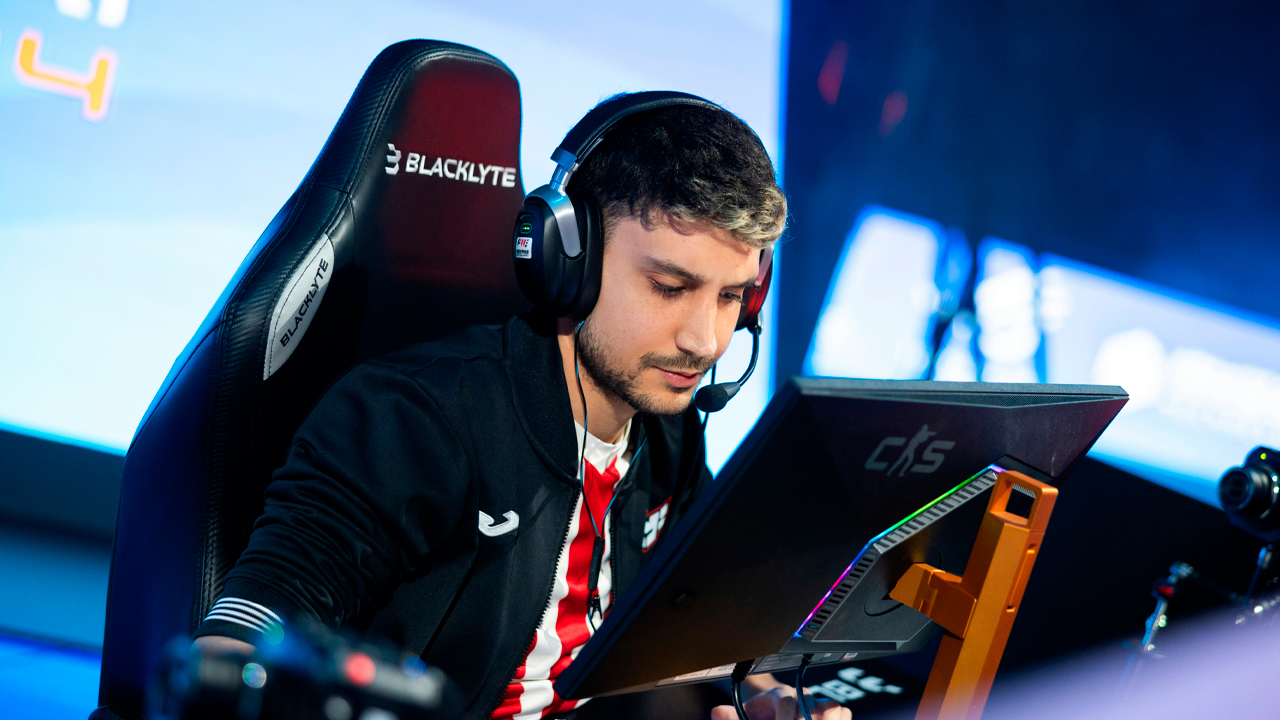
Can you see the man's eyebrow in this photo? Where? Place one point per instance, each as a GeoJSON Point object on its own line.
{"type": "Point", "coordinates": [670, 268]}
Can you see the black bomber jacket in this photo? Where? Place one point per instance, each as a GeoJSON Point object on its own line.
{"type": "Point", "coordinates": [374, 520]}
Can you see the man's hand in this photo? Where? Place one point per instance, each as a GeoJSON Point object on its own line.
{"type": "Point", "coordinates": [777, 701]}
{"type": "Point", "coordinates": [219, 645]}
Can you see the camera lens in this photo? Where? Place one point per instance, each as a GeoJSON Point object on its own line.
{"type": "Point", "coordinates": [1246, 489]}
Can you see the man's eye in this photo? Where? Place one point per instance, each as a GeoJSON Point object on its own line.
{"type": "Point", "coordinates": [667, 290]}
{"type": "Point", "coordinates": [735, 297]}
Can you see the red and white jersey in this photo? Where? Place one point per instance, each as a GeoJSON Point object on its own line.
{"type": "Point", "coordinates": [565, 628]}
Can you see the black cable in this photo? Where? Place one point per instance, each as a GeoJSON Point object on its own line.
{"type": "Point", "coordinates": [804, 706]}
{"type": "Point", "coordinates": [597, 545]}
{"type": "Point", "coordinates": [1257, 572]}
{"type": "Point", "coordinates": [582, 458]}
{"type": "Point", "coordinates": [739, 674]}
{"type": "Point", "coordinates": [737, 700]}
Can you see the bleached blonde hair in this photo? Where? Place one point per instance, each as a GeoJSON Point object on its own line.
{"type": "Point", "coordinates": [689, 164]}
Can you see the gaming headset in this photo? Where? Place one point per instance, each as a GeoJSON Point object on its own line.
{"type": "Point", "coordinates": [559, 237]}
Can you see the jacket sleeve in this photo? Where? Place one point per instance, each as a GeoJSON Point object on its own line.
{"type": "Point", "coordinates": [374, 480]}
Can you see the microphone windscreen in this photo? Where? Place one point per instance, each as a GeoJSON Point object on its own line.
{"type": "Point", "coordinates": [713, 398]}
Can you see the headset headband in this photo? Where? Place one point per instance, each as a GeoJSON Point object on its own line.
{"type": "Point", "coordinates": [586, 135]}
{"type": "Point", "coordinates": [583, 138]}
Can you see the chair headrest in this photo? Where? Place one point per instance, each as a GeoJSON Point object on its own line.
{"type": "Point", "coordinates": [437, 129]}
{"type": "Point", "coordinates": [416, 190]}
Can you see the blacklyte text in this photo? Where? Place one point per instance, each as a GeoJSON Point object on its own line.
{"type": "Point", "coordinates": [302, 310]}
{"type": "Point", "coordinates": [451, 168]}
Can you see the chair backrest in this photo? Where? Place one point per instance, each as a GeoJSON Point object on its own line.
{"type": "Point", "coordinates": [399, 233]}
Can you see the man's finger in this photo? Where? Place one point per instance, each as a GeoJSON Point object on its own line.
{"type": "Point", "coordinates": [787, 708]}
{"type": "Point", "coordinates": [779, 703]}
{"type": "Point", "coordinates": [829, 710]}
{"type": "Point", "coordinates": [724, 712]}
{"type": "Point", "coordinates": [771, 705]}
{"type": "Point", "coordinates": [820, 706]}
{"type": "Point", "coordinates": [820, 709]}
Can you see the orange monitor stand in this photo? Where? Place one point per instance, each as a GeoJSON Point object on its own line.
{"type": "Point", "coordinates": [977, 610]}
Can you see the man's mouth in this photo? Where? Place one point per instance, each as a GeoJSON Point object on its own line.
{"type": "Point", "coordinates": [678, 379]}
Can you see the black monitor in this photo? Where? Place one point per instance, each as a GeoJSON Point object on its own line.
{"type": "Point", "coordinates": [842, 484]}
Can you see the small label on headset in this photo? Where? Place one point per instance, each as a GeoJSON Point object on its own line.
{"type": "Point", "coordinates": [524, 247]}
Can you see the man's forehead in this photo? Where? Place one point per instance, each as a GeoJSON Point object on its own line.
{"type": "Point", "coordinates": [702, 254]}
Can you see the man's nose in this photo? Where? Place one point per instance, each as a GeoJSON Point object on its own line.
{"type": "Point", "coordinates": [697, 335]}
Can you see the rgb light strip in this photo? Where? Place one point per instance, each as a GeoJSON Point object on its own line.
{"type": "Point", "coordinates": [879, 537]}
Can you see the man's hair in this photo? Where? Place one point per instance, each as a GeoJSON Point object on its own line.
{"type": "Point", "coordinates": [685, 163]}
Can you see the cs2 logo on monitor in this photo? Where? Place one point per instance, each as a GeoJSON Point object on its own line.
{"type": "Point", "coordinates": [906, 460]}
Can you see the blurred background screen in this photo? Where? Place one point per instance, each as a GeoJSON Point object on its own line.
{"type": "Point", "coordinates": [1057, 192]}
{"type": "Point", "coordinates": [146, 145]}
{"type": "Point", "coordinates": [1203, 377]}
{"type": "Point", "coordinates": [1073, 193]}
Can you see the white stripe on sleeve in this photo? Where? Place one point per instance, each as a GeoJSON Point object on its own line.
{"type": "Point", "coordinates": [247, 613]}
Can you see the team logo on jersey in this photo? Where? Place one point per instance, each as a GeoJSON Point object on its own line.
{"type": "Point", "coordinates": [653, 525]}
{"type": "Point", "coordinates": [511, 521]}
{"type": "Point", "coordinates": [906, 461]}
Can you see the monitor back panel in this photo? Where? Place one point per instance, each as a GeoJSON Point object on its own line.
{"type": "Point", "coordinates": [831, 466]}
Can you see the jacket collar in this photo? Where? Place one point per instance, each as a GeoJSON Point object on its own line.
{"type": "Point", "coordinates": [532, 357]}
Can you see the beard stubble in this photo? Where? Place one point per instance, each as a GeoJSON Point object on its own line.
{"type": "Point", "coordinates": [594, 356]}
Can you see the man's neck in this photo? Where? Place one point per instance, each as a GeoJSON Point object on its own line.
{"type": "Point", "coordinates": [608, 415]}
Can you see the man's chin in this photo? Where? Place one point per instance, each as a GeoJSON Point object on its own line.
{"type": "Point", "coordinates": [670, 401]}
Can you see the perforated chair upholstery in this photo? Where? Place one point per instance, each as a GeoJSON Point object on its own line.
{"type": "Point", "coordinates": [399, 233]}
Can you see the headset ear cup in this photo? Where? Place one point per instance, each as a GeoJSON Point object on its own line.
{"type": "Point", "coordinates": [537, 253]}
{"type": "Point", "coordinates": [557, 284]}
{"type": "Point", "coordinates": [590, 265]}
{"type": "Point", "coordinates": [753, 300]}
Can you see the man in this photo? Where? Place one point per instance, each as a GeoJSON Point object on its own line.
{"type": "Point", "coordinates": [512, 479]}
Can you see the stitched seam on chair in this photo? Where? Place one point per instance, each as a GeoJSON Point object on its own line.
{"type": "Point", "coordinates": [222, 391]}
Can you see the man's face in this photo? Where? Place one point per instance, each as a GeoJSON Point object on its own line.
{"type": "Point", "coordinates": [669, 301]}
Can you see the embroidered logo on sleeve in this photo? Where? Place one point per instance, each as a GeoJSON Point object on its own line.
{"type": "Point", "coordinates": [653, 525]}
{"type": "Point", "coordinates": [511, 522]}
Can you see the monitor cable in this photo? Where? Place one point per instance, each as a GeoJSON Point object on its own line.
{"type": "Point", "coordinates": [739, 674]}
{"type": "Point", "coordinates": [800, 699]}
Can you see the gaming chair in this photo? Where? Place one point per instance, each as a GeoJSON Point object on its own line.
{"type": "Point", "coordinates": [399, 233]}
